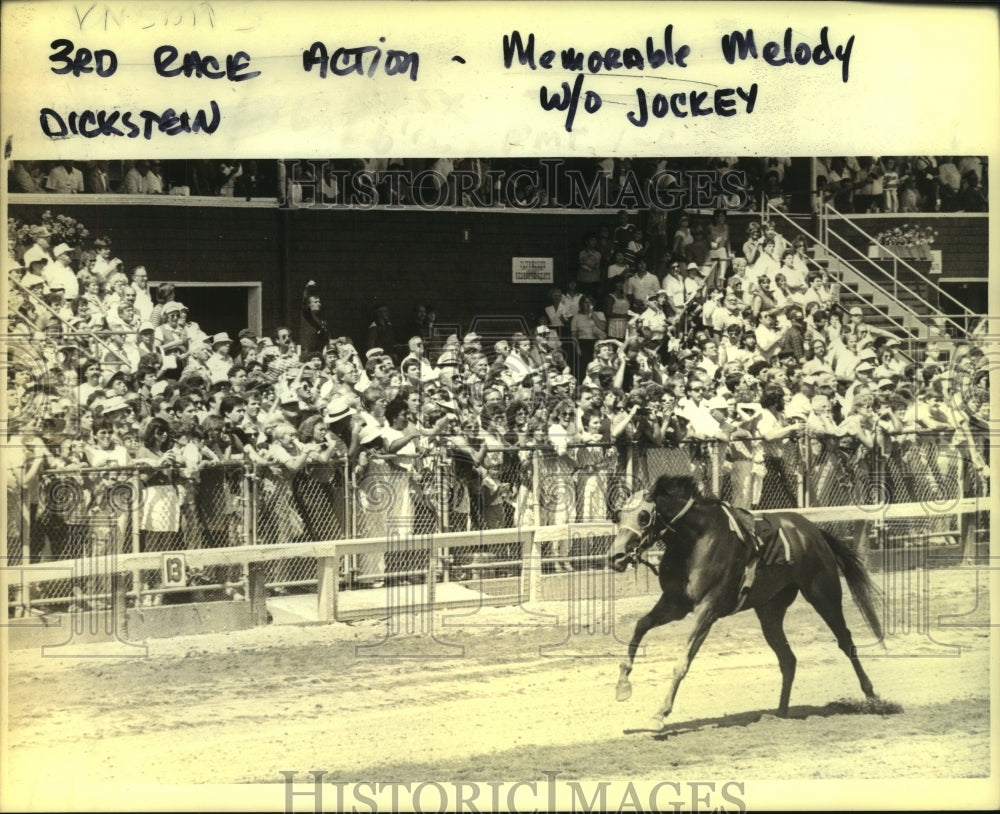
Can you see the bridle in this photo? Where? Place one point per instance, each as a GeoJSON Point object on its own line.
{"type": "Point", "coordinates": [642, 529]}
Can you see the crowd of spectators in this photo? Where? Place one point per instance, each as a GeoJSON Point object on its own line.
{"type": "Point", "coordinates": [203, 177]}
{"type": "Point", "coordinates": [918, 183]}
{"type": "Point", "coordinates": [738, 363]}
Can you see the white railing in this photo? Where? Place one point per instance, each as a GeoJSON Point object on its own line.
{"type": "Point", "coordinates": [829, 212]}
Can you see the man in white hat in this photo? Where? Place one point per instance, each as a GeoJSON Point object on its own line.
{"type": "Point", "coordinates": [693, 282]}
{"type": "Point", "coordinates": [855, 316]}
{"type": "Point", "coordinates": [32, 307]}
{"type": "Point", "coordinates": [472, 343]}
{"type": "Point", "coordinates": [192, 330]}
{"type": "Point", "coordinates": [61, 273]}
{"type": "Point", "coordinates": [719, 411]}
{"type": "Point", "coordinates": [338, 409]}
{"type": "Point", "coordinates": [35, 284]}
{"type": "Point", "coordinates": [117, 411]}
{"type": "Point", "coordinates": [220, 362]}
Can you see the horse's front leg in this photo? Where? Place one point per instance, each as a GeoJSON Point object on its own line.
{"type": "Point", "coordinates": [705, 615]}
{"type": "Point", "coordinates": [663, 611]}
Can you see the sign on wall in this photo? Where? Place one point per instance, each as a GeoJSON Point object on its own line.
{"type": "Point", "coordinates": [531, 270]}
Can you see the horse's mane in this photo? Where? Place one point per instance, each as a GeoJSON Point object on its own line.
{"type": "Point", "coordinates": [683, 487]}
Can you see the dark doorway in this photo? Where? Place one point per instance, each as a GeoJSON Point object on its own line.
{"type": "Point", "coordinates": [216, 309]}
{"type": "Point", "coordinates": [973, 294]}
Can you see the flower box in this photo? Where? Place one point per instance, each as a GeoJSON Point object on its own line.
{"type": "Point", "coordinates": [905, 252]}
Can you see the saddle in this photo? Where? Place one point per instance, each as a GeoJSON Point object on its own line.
{"type": "Point", "coordinates": [765, 541]}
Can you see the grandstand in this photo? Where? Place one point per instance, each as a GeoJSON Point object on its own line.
{"type": "Point", "coordinates": [236, 424]}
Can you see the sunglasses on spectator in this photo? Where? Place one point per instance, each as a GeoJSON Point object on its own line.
{"type": "Point", "coordinates": [696, 389]}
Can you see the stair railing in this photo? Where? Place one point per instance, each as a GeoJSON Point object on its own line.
{"type": "Point", "coordinates": [844, 262]}
{"type": "Point", "coordinates": [961, 308]}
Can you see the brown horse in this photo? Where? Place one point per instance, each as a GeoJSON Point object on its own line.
{"type": "Point", "coordinates": [702, 570]}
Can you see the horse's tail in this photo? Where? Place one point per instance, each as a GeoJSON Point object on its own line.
{"type": "Point", "coordinates": [864, 591]}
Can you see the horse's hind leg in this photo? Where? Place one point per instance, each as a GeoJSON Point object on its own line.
{"type": "Point", "coordinates": [663, 611]}
{"type": "Point", "coordinates": [825, 595]}
{"type": "Point", "coordinates": [772, 623]}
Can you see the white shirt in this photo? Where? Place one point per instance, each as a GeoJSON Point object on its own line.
{"type": "Point", "coordinates": [674, 286]}
{"type": "Point", "coordinates": [641, 288]}
{"type": "Point", "coordinates": [143, 302]}
{"type": "Point", "coordinates": [56, 273]}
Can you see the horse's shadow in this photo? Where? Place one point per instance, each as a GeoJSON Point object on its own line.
{"type": "Point", "coordinates": [797, 713]}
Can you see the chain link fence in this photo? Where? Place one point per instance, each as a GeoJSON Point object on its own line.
{"type": "Point", "coordinates": [85, 515]}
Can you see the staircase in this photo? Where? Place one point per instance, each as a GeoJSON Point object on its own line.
{"type": "Point", "coordinates": [894, 293]}
{"type": "Point", "coordinates": [905, 312]}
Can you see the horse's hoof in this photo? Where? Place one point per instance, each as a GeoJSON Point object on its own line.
{"type": "Point", "coordinates": [656, 723]}
{"type": "Point", "coordinates": [624, 691]}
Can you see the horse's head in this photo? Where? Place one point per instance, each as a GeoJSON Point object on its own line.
{"type": "Point", "coordinates": [635, 524]}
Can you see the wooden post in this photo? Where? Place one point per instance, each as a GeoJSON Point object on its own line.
{"type": "Point", "coordinates": [118, 605]}
{"type": "Point", "coordinates": [533, 564]}
{"type": "Point", "coordinates": [258, 593]}
{"type": "Point", "coordinates": [967, 535]}
{"type": "Point", "coordinates": [967, 521]}
{"type": "Point", "coordinates": [327, 585]}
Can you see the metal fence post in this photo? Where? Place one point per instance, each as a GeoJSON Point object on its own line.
{"type": "Point", "coordinates": [137, 535]}
{"type": "Point", "coordinates": [716, 458]}
{"type": "Point", "coordinates": [25, 589]}
{"type": "Point", "coordinates": [536, 547]}
{"type": "Point", "coordinates": [445, 496]}
{"type": "Point", "coordinates": [806, 468]}
{"type": "Point", "coordinates": [249, 489]}
{"type": "Point", "coordinates": [348, 501]}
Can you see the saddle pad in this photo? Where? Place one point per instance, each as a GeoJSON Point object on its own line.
{"type": "Point", "coordinates": [772, 543]}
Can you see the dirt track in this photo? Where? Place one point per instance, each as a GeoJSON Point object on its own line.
{"type": "Point", "coordinates": [241, 707]}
